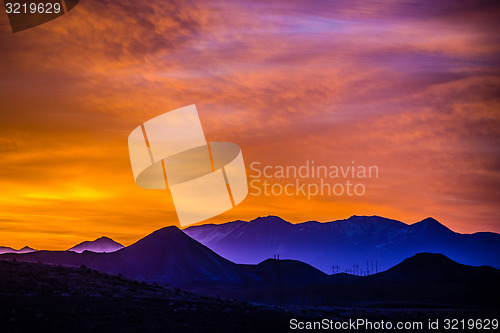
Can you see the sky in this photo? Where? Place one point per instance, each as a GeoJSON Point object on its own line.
{"type": "Point", "coordinates": [409, 87]}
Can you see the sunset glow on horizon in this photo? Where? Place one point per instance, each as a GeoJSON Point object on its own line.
{"type": "Point", "coordinates": [412, 89]}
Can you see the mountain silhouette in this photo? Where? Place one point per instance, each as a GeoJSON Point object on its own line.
{"type": "Point", "coordinates": [6, 249]}
{"type": "Point", "coordinates": [52, 298]}
{"type": "Point", "coordinates": [357, 240]}
{"type": "Point", "coordinates": [287, 272]}
{"type": "Point", "coordinates": [434, 268]}
{"type": "Point", "coordinates": [169, 256]}
{"type": "Point", "coordinates": [103, 244]}
{"type": "Point", "coordinates": [166, 256]}
{"type": "Point", "coordinates": [423, 280]}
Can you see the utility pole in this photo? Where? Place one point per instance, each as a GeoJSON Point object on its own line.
{"type": "Point", "coordinates": [281, 294]}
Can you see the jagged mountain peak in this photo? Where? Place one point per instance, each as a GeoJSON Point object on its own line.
{"type": "Point", "coordinates": [269, 219]}
{"type": "Point", "coordinates": [101, 244]}
{"type": "Point", "coordinates": [431, 223]}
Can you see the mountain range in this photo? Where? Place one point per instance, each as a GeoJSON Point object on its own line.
{"type": "Point", "coordinates": [425, 278]}
{"type": "Point", "coordinates": [6, 249]}
{"type": "Point", "coordinates": [166, 256]}
{"type": "Point", "coordinates": [362, 244]}
{"type": "Point", "coordinates": [170, 256]}
{"type": "Point", "coordinates": [102, 244]}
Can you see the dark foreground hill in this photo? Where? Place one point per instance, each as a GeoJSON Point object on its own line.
{"type": "Point", "coordinates": [287, 272]}
{"type": "Point", "coordinates": [425, 279]}
{"type": "Point", "coordinates": [50, 298]}
{"type": "Point", "coordinates": [47, 298]}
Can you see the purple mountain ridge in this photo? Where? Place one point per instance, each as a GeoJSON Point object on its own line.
{"type": "Point", "coordinates": [170, 256]}
{"type": "Point", "coordinates": [103, 244]}
{"type": "Point", "coordinates": [372, 243]}
{"type": "Point", "coordinates": [167, 255]}
{"type": "Point", "coordinates": [6, 249]}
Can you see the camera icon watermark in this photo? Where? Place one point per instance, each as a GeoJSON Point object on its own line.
{"type": "Point", "coordinates": [205, 179]}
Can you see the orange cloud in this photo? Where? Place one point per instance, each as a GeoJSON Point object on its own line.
{"type": "Point", "coordinates": [413, 90]}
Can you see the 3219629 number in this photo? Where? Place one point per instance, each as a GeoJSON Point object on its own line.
{"type": "Point", "coordinates": [32, 8]}
{"type": "Point", "coordinates": [471, 324]}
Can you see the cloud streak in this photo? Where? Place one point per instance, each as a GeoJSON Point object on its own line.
{"type": "Point", "coordinates": [410, 87]}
